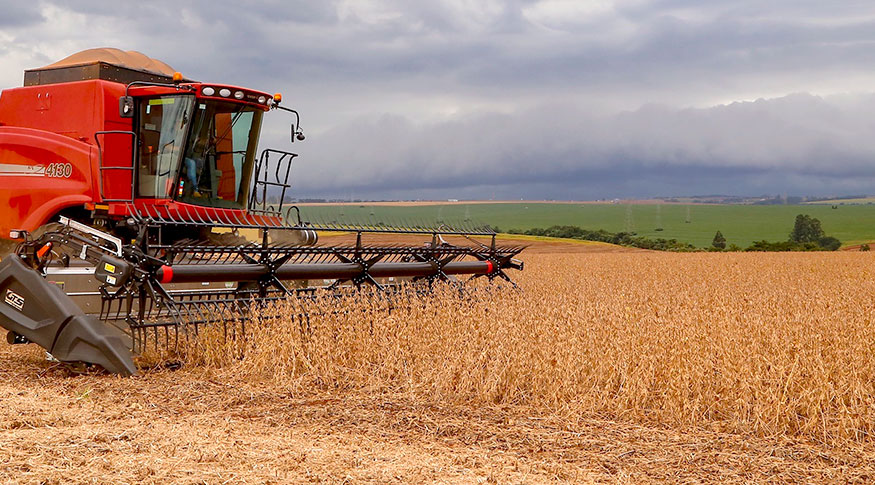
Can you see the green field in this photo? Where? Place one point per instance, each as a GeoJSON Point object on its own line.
{"type": "Point", "coordinates": [740, 224]}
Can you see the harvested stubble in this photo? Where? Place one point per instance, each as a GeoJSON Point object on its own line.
{"type": "Point", "coordinates": [765, 344]}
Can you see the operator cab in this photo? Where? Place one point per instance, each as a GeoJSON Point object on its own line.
{"type": "Point", "coordinates": [195, 150]}
{"type": "Point", "coordinates": [176, 150]}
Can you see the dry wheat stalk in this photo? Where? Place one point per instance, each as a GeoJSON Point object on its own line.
{"type": "Point", "coordinates": [752, 343]}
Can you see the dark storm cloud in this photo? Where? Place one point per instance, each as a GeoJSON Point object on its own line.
{"type": "Point", "coordinates": [520, 95]}
{"type": "Point", "coordinates": [799, 142]}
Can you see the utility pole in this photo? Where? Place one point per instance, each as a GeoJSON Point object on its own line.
{"type": "Point", "coordinates": [629, 225]}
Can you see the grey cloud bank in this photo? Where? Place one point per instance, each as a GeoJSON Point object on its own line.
{"type": "Point", "coordinates": [795, 143]}
{"type": "Point", "coordinates": [534, 99]}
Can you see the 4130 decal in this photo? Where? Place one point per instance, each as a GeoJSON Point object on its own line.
{"type": "Point", "coordinates": [59, 170]}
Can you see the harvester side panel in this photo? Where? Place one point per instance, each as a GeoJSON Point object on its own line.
{"type": "Point", "coordinates": [41, 173]}
{"type": "Point", "coordinates": [48, 154]}
{"type": "Point", "coordinates": [76, 110]}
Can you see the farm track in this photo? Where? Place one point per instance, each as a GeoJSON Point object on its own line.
{"type": "Point", "coordinates": [212, 423]}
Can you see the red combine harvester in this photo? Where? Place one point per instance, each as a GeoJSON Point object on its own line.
{"type": "Point", "coordinates": [123, 188]}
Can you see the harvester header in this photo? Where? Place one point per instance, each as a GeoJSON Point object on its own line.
{"type": "Point", "coordinates": [126, 189]}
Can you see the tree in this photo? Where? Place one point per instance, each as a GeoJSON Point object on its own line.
{"type": "Point", "coordinates": [807, 229]}
{"type": "Point", "coordinates": [719, 241]}
{"type": "Point", "coordinates": [829, 243]}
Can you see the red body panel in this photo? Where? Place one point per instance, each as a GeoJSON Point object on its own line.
{"type": "Point", "coordinates": [180, 211]}
{"type": "Point", "coordinates": [250, 97]}
{"type": "Point", "coordinates": [48, 159]}
{"type": "Point", "coordinates": [40, 175]}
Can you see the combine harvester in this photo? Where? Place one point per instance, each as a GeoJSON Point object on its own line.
{"type": "Point", "coordinates": [123, 187]}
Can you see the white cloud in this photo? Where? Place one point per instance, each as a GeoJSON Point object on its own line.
{"type": "Point", "coordinates": [560, 12]}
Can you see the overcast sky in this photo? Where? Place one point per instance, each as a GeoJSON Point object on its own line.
{"type": "Point", "coordinates": [559, 99]}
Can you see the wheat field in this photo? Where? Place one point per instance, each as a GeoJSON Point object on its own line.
{"type": "Point", "coordinates": [603, 367]}
{"type": "Point", "coordinates": [755, 344]}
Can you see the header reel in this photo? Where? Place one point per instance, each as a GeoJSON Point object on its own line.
{"type": "Point", "coordinates": [145, 294]}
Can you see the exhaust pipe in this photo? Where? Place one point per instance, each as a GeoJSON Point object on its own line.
{"type": "Point", "coordinates": [297, 237]}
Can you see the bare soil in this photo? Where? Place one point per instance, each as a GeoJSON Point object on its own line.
{"type": "Point", "coordinates": [197, 425]}
{"type": "Point", "coordinates": [856, 247]}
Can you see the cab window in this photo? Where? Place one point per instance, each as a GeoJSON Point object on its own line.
{"type": "Point", "coordinates": [217, 164]}
{"type": "Point", "coordinates": [162, 126]}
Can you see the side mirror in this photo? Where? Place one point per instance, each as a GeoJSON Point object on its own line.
{"type": "Point", "coordinates": [126, 107]}
{"type": "Point", "coordinates": [297, 133]}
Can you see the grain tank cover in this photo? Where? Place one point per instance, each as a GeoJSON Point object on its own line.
{"type": "Point", "coordinates": [103, 63]}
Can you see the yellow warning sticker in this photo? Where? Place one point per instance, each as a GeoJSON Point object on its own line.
{"type": "Point", "coordinates": [159, 101]}
{"type": "Point", "coordinates": [110, 268]}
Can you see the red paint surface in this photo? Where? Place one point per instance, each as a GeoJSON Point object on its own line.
{"type": "Point", "coordinates": [165, 273]}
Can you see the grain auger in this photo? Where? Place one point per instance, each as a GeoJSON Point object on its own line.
{"type": "Point", "coordinates": [128, 222]}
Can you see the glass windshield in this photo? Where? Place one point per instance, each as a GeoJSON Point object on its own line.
{"type": "Point", "coordinates": [219, 154]}
{"type": "Point", "coordinates": [162, 128]}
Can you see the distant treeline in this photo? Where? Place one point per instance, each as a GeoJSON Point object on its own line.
{"type": "Point", "coordinates": [620, 238]}
{"type": "Point", "coordinates": [807, 235]}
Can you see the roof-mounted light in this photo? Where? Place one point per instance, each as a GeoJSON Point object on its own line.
{"type": "Point", "coordinates": [208, 91]}
{"type": "Point", "coordinates": [238, 94]}
{"type": "Point", "coordinates": [262, 100]}
{"type": "Point", "coordinates": [224, 92]}
{"type": "Point", "coordinates": [177, 77]}
{"type": "Point", "coordinates": [277, 98]}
